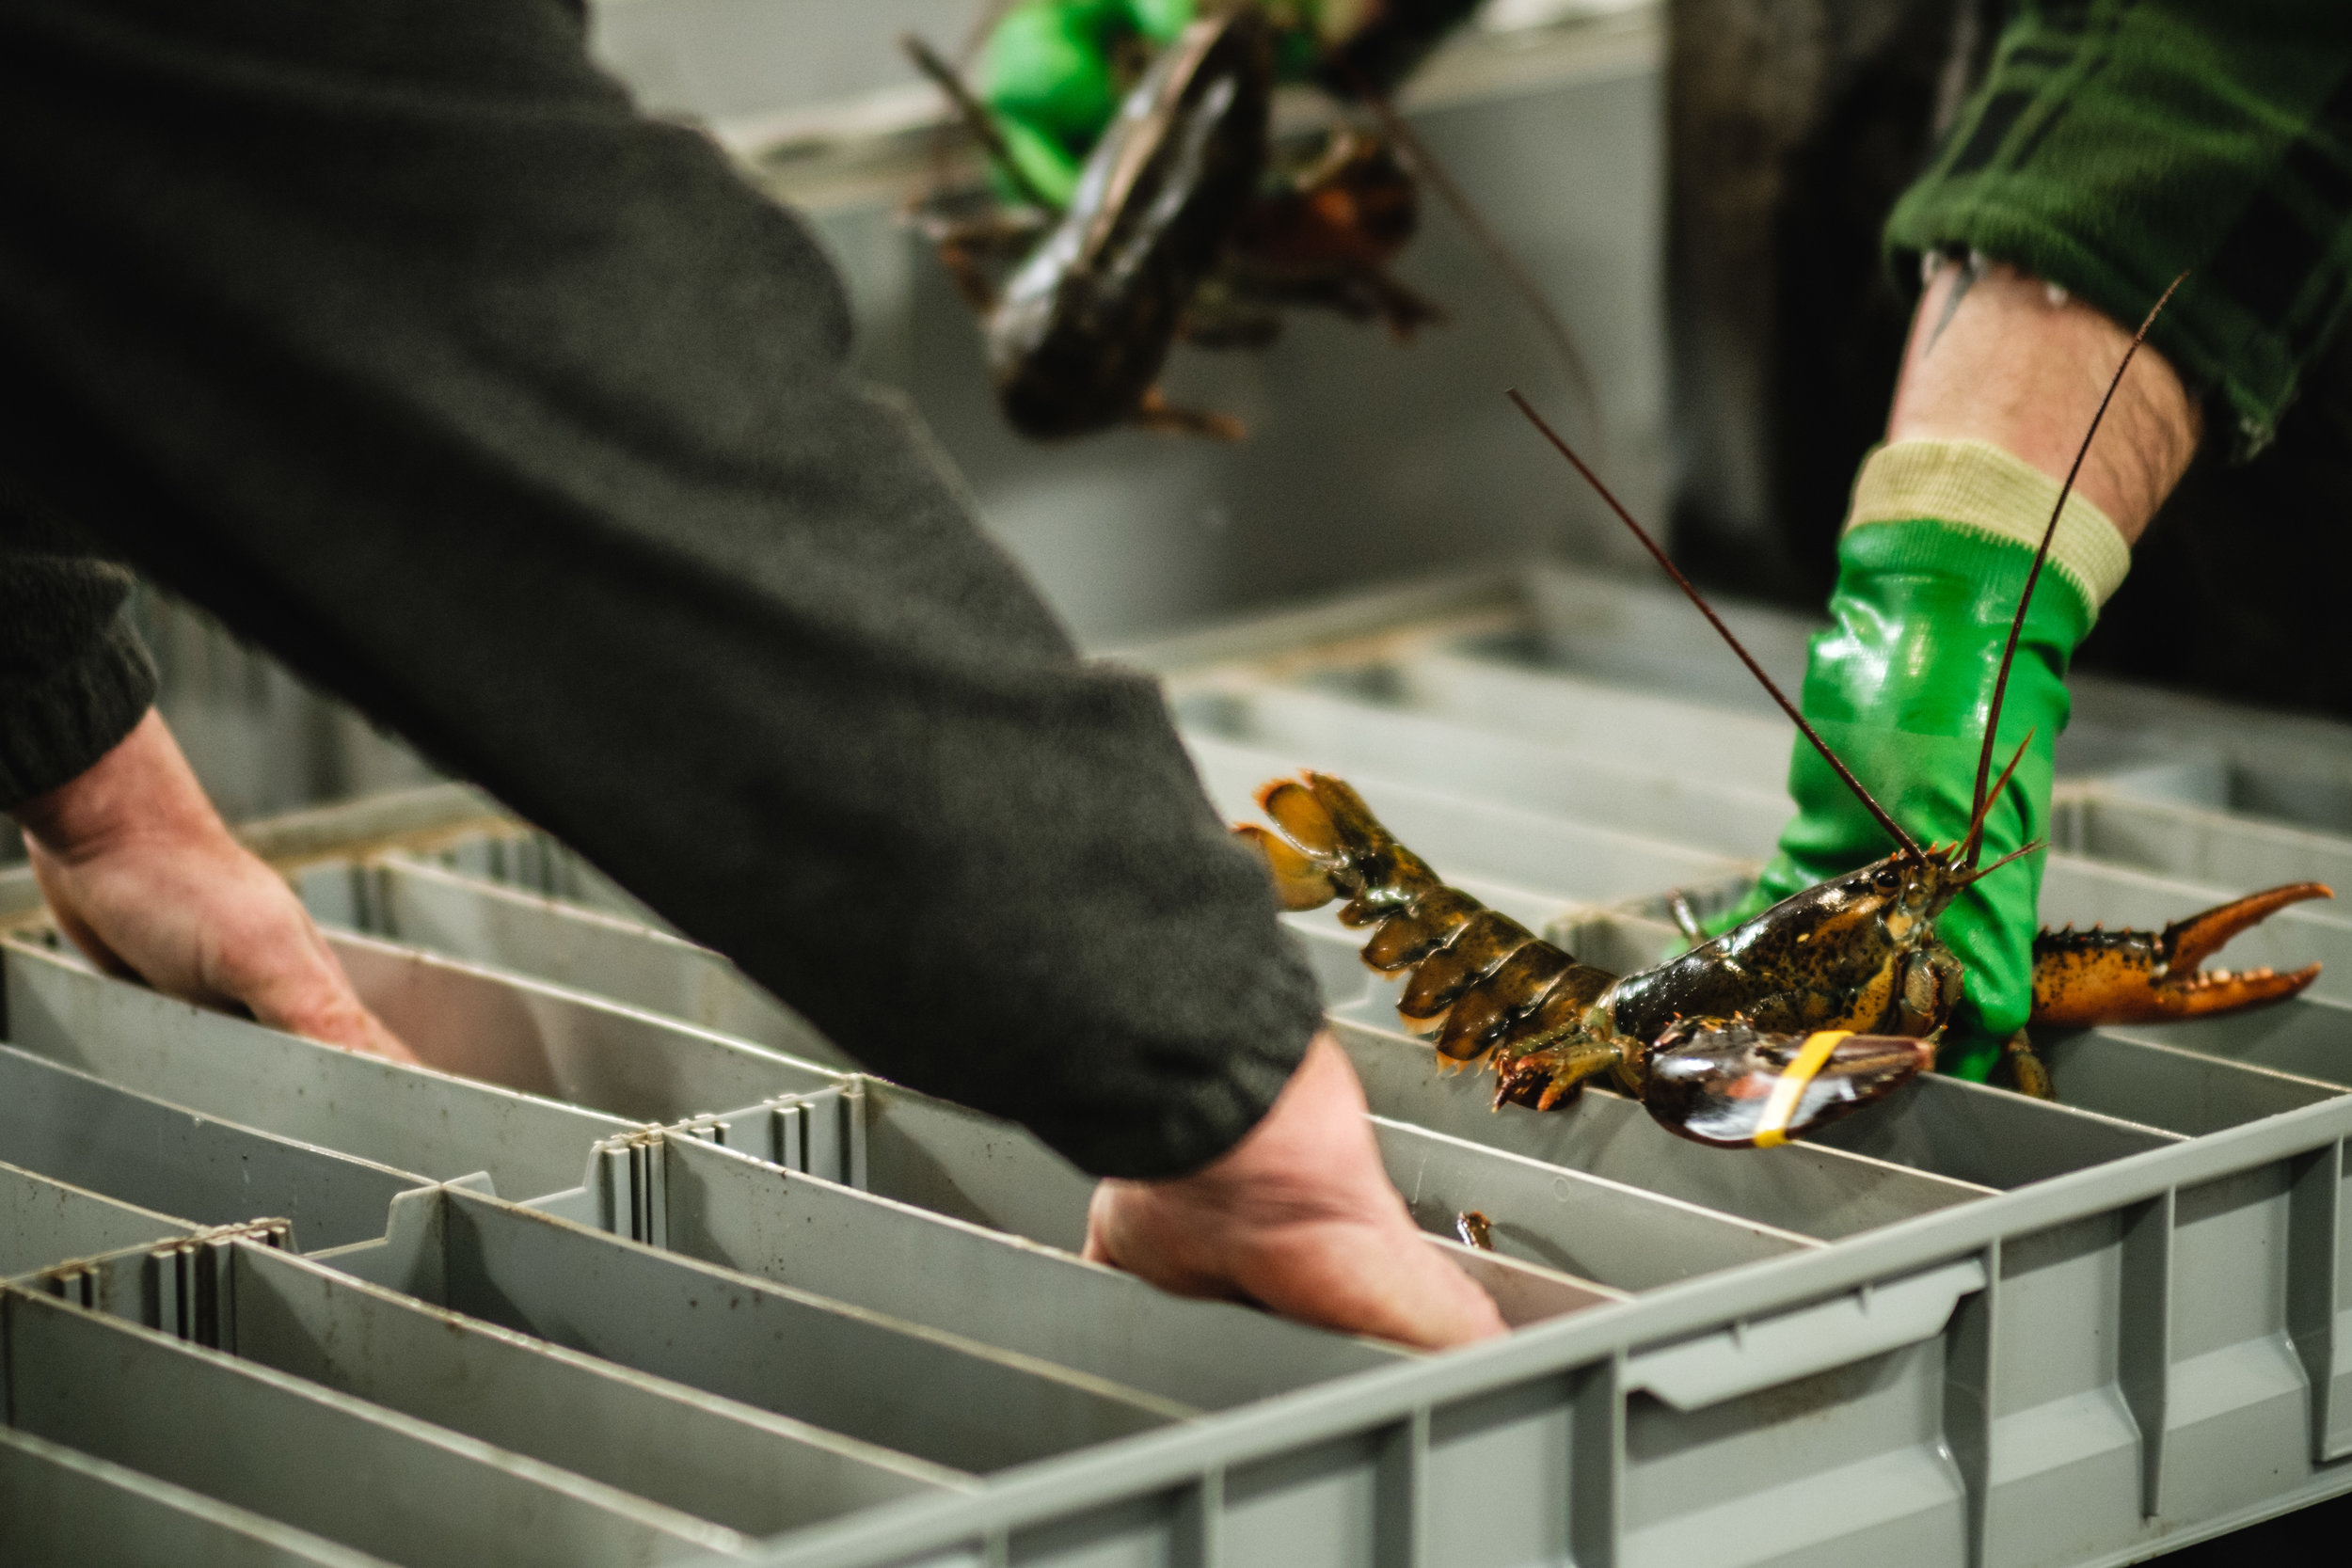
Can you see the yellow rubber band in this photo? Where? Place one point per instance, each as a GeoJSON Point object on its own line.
{"type": "Point", "coordinates": [1773, 1131]}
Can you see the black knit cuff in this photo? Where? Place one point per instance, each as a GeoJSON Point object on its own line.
{"type": "Point", "coordinates": [55, 723]}
{"type": "Point", "coordinates": [1194, 1118]}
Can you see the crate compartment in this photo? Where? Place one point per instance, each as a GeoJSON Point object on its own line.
{"type": "Point", "coordinates": [1580, 1225]}
{"type": "Point", "coordinates": [1322, 728]}
{"type": "Point", "coordinates": [960, 1162]}
{"type": "Point", "coordinates": [1959, 1327]}
{"type": "Point", "coordinates": [1470, 686]}
{"type": "Point", "coordinates": [2193, 844]}
{"type": "Point", "coordinates": [727, 1207]}
{"type": "Point", "coordinates": [377, 1482]}
{"type": "Point", "coordinates": [714, 1458]}
{"type": "Point", "coordinates": [73, 1128]}
{"type": "Point", "coordinates": [1800, 1187]}
{"type": "Point", "coordinates": [44, 1222]}
{"type": "Point", "coordinates": [2151, 1078]}
{"type": "Point", "coordinates": [1991, 1136]}
{"type": "Point", "coordinates": [1572, 861]}
{"type": "Point", "coordinates": [534, 862]}
{"type": "Point", "coordinates": [60, 1509]}
{"type": "Point", "coordinates": [404, 899]}
{"type": "Point", "coordinates": [401, 1117]}
{"type": "Point", "coordinates": [882, 1380]}
{"type": "Point", "coordinates": [542, 1039]}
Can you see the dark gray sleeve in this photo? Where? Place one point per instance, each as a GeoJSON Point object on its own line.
{"type": "Point", "coordinates": [73, 676]}
{"type": "Point", "coordinates": [392, 335]}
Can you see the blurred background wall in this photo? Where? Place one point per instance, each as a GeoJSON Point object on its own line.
{"type": "Point", "coordinates": [1697, 185]}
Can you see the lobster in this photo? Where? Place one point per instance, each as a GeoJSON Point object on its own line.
{"type": "Point", "coordinates": [1829, 1001]}
{"type": "Point", "coordinates": [1186, 225]}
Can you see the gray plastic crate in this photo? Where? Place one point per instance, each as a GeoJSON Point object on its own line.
{"type": "Point", "coordinates": [671, 1274]}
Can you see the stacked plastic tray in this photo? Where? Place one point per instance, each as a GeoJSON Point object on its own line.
{"type": "Point", "coordinates": [640, 1268]}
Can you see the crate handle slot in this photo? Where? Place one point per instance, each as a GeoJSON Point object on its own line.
{"type": "Point", "coordinates": [1750, 1356]}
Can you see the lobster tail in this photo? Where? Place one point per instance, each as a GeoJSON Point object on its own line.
{"type": "Point", "coordinates": [1477, 979]}
{"type": "Point", "coordinates": [1328, 826]}
{"type": "Point", "coordinates": [1300, 880]}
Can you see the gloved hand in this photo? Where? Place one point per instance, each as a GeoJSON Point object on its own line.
{"type": "Point", "coordinates": [1935, 554]}
{"type": "Point", "coordinates": [1051, 75]}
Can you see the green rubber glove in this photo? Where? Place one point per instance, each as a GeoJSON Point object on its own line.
{"type": "Point", "coordinates": [1048, 76]}
{"type": "Point", "coordinates": [1934, 556]}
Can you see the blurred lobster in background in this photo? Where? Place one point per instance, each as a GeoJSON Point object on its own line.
{"type": "Point", "coordinates": [1184, 220]}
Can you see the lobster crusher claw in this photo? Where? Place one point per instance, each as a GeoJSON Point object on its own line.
{"type": "Point", "coordinates": [1733, 1086]}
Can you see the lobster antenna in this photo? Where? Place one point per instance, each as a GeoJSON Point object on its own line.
{"type": "Point", "coordinates": [973, 113]}
{"type": "Point", "coordinates": [1893, 827]}
{"type": "Point", "coordinates": [2018, 853]}
{"type": "Point", "coordinates": [2017, 625]}
{"type": "Point", "coordinates": [1973, 841]}
{"type": "Point", "coordinates": [1521, 282]}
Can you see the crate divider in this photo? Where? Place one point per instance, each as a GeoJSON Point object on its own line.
{"type": "Point", "coordinates": [60, 1508]}
{"type": "Point", "coordinates": [817, 1235]}
{"type": "Point", "coordinates": [547, 1040]}
{"type": "Point", "coordinates": [714, 1458]}
{"type": "Point", "coordinates": [44, 1222]}
{"type": "Point", "coordinates": [1569, 1220]}
{"type": "Point", "coordinates": [872, 1377]}
{"type": "Point", "coordinates": [74, 1127]}
{"type": "Point", "coordinates": [1328, 730]}
{"type": "Point", "coordinates": [1573, 861]}
{"type": "Point", "coordinates": [2139, 1075]}
{"type": "Point", "coordinates": [408, 900]}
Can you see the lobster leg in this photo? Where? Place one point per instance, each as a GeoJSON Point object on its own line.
{"type": "Point", "coordinates": [1543, 1077]}
{"type": "Point", "coordinates": [2083, 979]}
{"type": "Point", "coordinates": [1154, 412]}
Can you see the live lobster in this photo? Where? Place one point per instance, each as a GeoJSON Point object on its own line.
{"type": "Point", "coordinates": [1824, 1003]}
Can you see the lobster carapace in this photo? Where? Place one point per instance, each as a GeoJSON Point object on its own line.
{"type": "Point", "coordinates": [1829, 1000]}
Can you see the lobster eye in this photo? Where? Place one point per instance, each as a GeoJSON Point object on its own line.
{"type": "Point", "coordinates": [1889, 878]}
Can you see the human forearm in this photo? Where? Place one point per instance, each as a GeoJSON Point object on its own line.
{"type": "Point", "coordinates": [541, 445]}
{"type": "Point", "coordinates": [2024, 367]}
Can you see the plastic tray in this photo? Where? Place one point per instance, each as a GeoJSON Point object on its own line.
{"type": "Point", "coordinates": [639, 1267]}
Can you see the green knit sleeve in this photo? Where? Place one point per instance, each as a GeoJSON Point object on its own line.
{"type": "Point", "coordinates": [2116, 143]}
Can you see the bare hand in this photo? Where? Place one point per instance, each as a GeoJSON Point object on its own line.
{"type": "Point", "coordinates": [1298, 1217]}
{"type": "Point", "coordinates": [143, 874]}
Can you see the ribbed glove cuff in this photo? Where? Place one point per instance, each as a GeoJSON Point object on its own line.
{"type": "Point", "coordinates": [1976, 486]}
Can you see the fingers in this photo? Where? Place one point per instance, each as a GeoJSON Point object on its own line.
{"type": "Point", "coordinates": [262, 951]}
{"type": "Point", "coordinates": [314, 999]}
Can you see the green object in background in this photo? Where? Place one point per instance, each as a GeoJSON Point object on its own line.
{"type": "Point", "coordinates": [1046, 169]}
{"type": "Point", "coordinates": [1049, 74]}
{"type": "Point", "coordinates": [1898, 686]}
{"type": "Point", "coordinates": [1161, 20]}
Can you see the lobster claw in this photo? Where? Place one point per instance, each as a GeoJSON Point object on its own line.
{"type": "Point", "coordinates": [2084, 979]}
{"type": "Point", "coordinates": [1733, 1086]}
